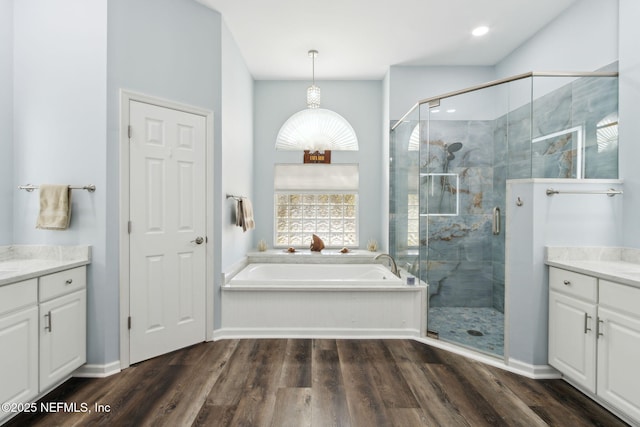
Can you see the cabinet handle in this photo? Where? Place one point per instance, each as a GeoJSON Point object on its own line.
{"type": "Point", "coordinates": [69, 281]}
{"type": "Point", "coordinates": [566, 282]}
{"type": "Point", "coordinates": [47, 316]}
{"type": "Point", "coordinates": [586, 318]}
{"type": "Point", "coordinates": [598, 333]}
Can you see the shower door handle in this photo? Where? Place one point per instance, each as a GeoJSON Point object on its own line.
{"type": "Point", "coordinates": [496, 221]}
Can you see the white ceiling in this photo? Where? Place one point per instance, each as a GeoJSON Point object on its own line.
{"type": "Point", "coordinates": [361, 39]}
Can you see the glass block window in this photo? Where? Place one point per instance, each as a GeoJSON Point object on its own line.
{"type": "Point", "coordinates": [413, 220]}
{"type": "Point", "coordinates": [332, 216]}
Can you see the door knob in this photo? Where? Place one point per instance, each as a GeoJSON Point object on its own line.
{"type": "Point", "coordinates": [198, 241]}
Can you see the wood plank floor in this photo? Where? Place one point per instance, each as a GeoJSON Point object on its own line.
{"type": "Point", "coordinates": [272, 382]}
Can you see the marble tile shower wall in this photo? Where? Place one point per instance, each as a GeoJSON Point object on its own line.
{"type": "Point", "coordinates": [459, 267]}
{"type": "Point", "coordinates": [586, 103]}
{"type": "Point", "coordinates": [464, 262]}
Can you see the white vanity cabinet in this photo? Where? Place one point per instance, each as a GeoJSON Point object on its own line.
{"type": "Point", "coordinates": [63, 313]}
{"type": "Point", "coordinates": [594, 337]}
{"type": "Point", "coordinates": [619, 346]}
{"type": "Point", "coordinates": [42, 334]}
{"type": "Point", "coordinates": [572, 314]}
{"type": "Point", "coordinates": [18, 342]}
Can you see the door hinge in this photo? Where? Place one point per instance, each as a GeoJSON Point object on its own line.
{"type": "Point", "coordinates": [129, 322]}
{"type": "Point", "coordinates": [206, 239]}
{"type": "Point", "coordinates": [129, 227]}
{"type": "Point", "coordinates": [129, 131]}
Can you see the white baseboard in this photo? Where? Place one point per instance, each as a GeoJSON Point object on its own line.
{"type": "Point", "coordinates": [537, 372]}
{"type": "Point", "coordinates": [97, 371]}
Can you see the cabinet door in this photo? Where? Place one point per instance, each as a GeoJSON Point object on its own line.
{"type": "Point", "coordinates": [62, 337]}
{"type": "Point", "coordinates": [619, 361]}
{"type": "Point", "coordinates": [18, 357]}
{"type": "Point", "coordinates": [572, 343]}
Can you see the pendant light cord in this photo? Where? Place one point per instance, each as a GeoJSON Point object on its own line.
{"type": "Point", "coordinates": [312, 54]}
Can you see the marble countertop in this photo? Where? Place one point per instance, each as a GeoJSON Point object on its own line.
{"type": "Point", "coordinates": [23, 262]}
{"type": "Point", "coordinates": [620, 265]}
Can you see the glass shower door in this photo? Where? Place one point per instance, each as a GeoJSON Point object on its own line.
{"type": "Point", "coordinates": [463, 169]}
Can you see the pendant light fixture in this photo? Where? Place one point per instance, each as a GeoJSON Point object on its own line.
{"type": "Point", "coordinates": [315, 128]}
{"type": "Point", "coordinates": [313, 91]}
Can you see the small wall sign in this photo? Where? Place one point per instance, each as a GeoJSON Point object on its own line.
{"type": "Point", "coordinates": [317, 156]}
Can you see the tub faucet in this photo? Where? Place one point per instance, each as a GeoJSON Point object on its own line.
{"type": "Point", "coordinates": [394, 266]}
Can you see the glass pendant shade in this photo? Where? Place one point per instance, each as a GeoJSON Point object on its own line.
{"type": "Point", "coordinates": [317, 129]}
{"type": "Point", "coordinates": [313, 96]}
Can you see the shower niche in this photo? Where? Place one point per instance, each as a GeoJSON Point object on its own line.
{"type": "Point", "coordinates": [451, 157]}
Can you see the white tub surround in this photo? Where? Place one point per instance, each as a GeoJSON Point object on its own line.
{"type": "Point", "coordinates": [314, 300]}
{"type": "Point", "coordinates": [22, 262]}
{"type": "Point", "coordinates": [594, 323]}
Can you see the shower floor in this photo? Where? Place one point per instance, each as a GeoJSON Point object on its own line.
{"type": "Point", "coordinates": [481, 328]}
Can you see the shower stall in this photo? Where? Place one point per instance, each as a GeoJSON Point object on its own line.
{"type": "Point", "coordinates": [450, 159]}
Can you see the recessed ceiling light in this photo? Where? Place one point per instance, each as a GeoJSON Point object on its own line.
{"type": "Point", "coordinates": [480, 31]}
{"type": "Point", "coordinates": [451, 110]}
{"type": "Point", "coordinates": [435, 111]}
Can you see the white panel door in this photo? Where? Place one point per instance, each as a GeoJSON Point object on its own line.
{"type": "Point", "coordinates": [167, 238]}
{"type": "Point", "coordinates": [572, 343]}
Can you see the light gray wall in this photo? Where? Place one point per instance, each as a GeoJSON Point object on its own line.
{"type": "Point", "coordinates": [237, 148]}
{"type": "Point", "coordinates": [169, 49]}
{"type": "Point", "coordinates": [60, 54]}
{"type": "Point", "coordinates": [583, 38]}
{"type": "Point", "coordinates": [409, 85]}
{"type": "Point", "coordinates": [357, 101]}
{"type": "Point", "coordinates": [590, 45]}
{"type": "Point", "coordinates": [71, 59]}
{"type": "Point", "coordinates": [559, 220]}
{"type": "Point", "coordinates": [629, 123]}
{"type": "Point", "coordinates": [7, 189]}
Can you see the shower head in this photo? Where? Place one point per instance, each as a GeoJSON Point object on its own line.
{"type": "Point", "coordinates": [456, 146]}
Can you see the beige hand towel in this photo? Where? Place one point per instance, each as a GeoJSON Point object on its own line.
{"type": "Point", "coordinates": [55, 207]}
{"type": "Point", "coordinates": [247, 215]}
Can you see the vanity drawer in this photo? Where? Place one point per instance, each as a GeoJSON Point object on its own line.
{"type": "Point", "coordinates": [620, 297]}
{"type": "Point", "coordinates": [18, 295]}
{"type": "Point", "coordinates": [574, 284]}
{"type": "Point", "coordinates": [63, 282]}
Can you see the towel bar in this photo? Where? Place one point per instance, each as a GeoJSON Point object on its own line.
{"type": "Point", "coordinates": [231, 196]}
{"type": "Point", "coordinates": [90, 188]}
{"type": "Point", "coordinates": [610, 192]}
